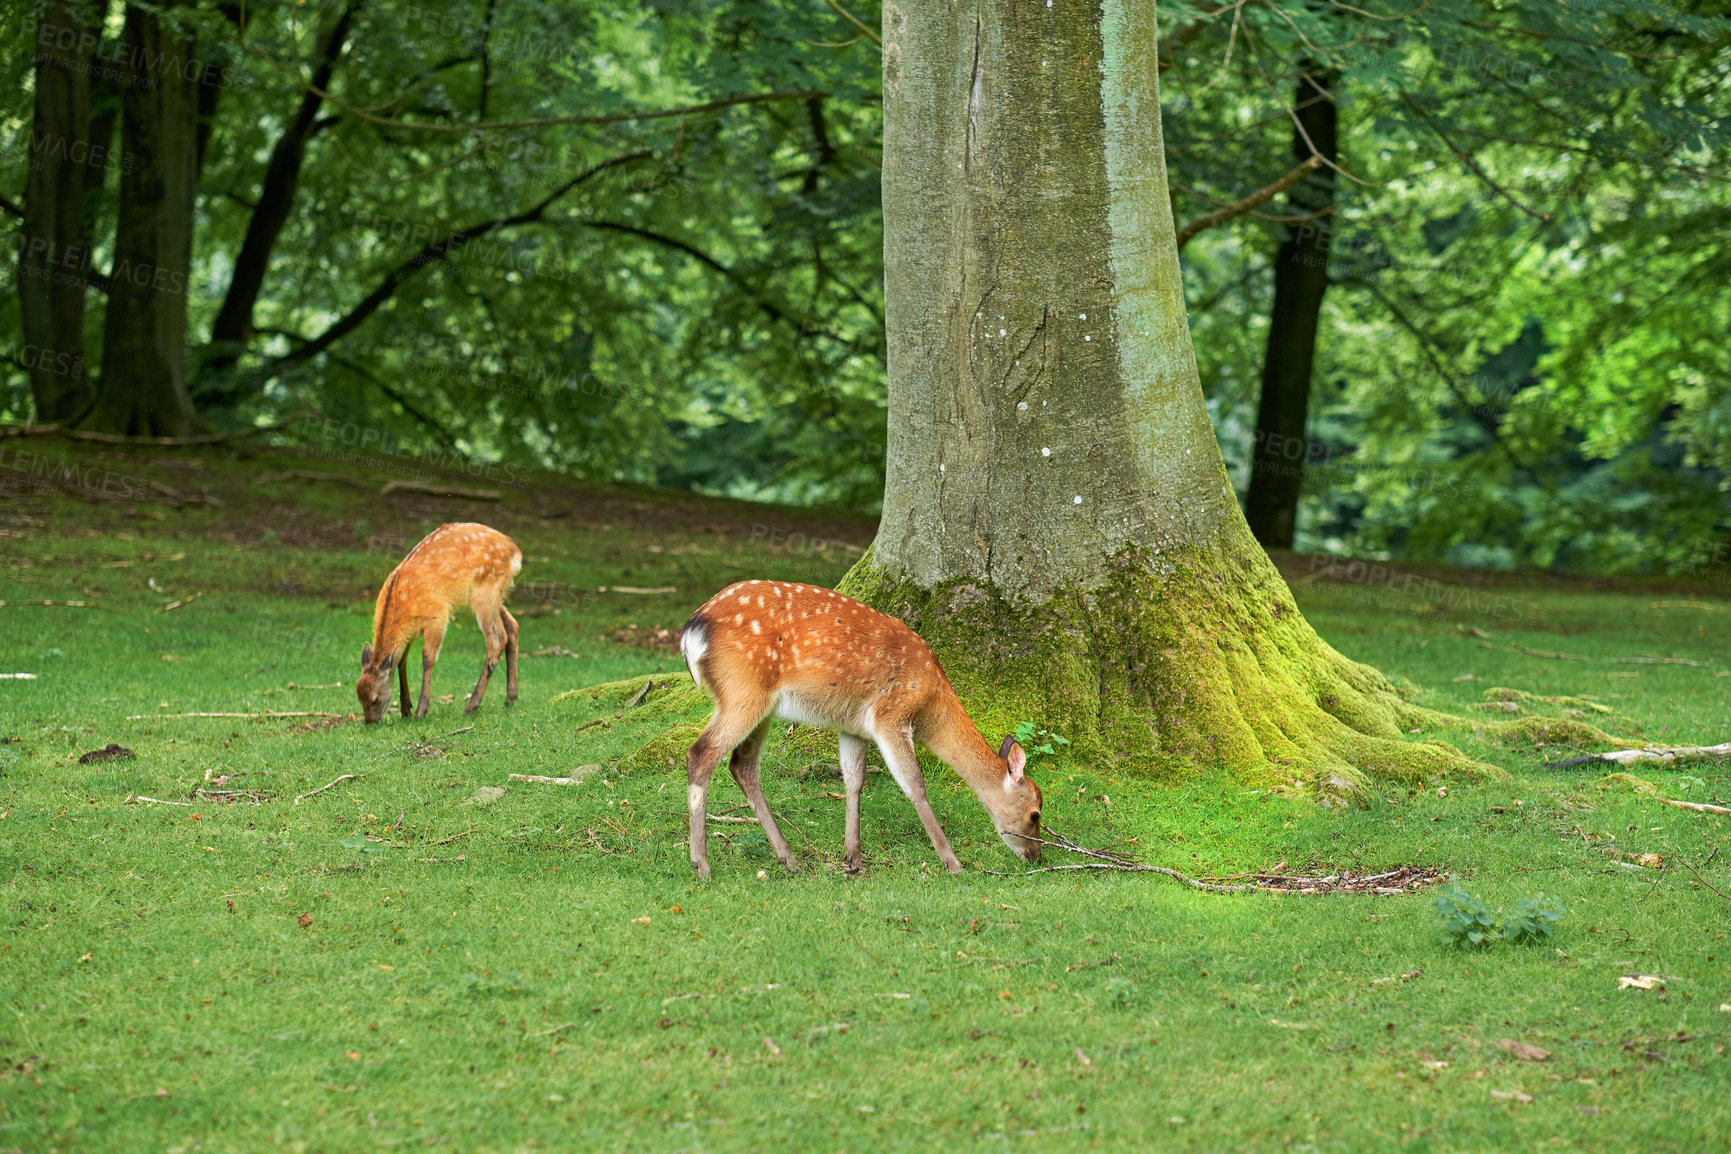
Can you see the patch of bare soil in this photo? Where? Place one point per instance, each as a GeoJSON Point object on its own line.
{"type": "Point", "coordinates": [656, 640]}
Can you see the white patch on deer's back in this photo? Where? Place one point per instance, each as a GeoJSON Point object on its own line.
{"type": "Point", "coordinates": [516, 564]}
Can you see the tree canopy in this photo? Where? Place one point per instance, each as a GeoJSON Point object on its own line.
{"type": "Point", "coordinates": [645, 242]}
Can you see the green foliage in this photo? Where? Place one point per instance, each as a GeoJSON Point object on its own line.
{"type": "Point", "coordinates": [1531, 918]}
{"type": "Point", "coordinates": [1038, 742]}
{"type": "Point", "coordinates": [1467, 924]}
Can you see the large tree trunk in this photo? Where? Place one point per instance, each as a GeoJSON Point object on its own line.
{"type": "Point", "coordinates": [53, 253]}
{"type": "Point", "coordinates": [143, 386]}
{"type": "Point", "coordinates": [1057, 521]}
{"type": "Point", "coordinates": [1300, 279]}
{"type": "Point", "coordinates": [233, 324]}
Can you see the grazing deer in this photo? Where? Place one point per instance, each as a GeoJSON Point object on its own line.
{"type": "Point", "coordinates": [454, 565]}
{"type": "Point", "coordinates": [766, 649]}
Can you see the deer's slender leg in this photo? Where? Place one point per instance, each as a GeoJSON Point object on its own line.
{"type": "Point", "coordinates": [431, 640]}
{"type": "Point", "coordinates": [898, 750]}
{"type": "Point", "coordinates": [725, 730]}
{"type": "Point", "coordinates": [853, 775]}
{"type": "Point", "coordinates": [510, 655]}
{"type": "Point", "coordinates": [493, 629]}
{"type": "Point", "coordinates": [403, 680]}
{"type": "Point", "coordinates": [744, 767]}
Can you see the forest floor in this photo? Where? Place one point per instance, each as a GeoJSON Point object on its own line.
{"type": "Point", "coordinates": [408, 957]}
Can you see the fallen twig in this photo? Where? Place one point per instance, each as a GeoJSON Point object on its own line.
{"type": "Point", "coordinates": [256, 796]}
{"type": "Point", "coordinates": [435, 490]}
{"type": "Point", "coordinates": [642, 695]}
{"type": "Point", "coordinates": [1665, 754]}
{"type": "Point", "coordinates": [250, 716]}
{"type": "Point", "coordinates": [738, 820]}
{"type": "Point", "coordinates": [161, 801]}
{"type": "Point", "coordinates": [54, 604]}
{"type": "Point", "coordinates": [1133, 867]}
{"type": "Point", "coordinates": [1644, 660]}
{"type": "Point", "coordinates": [182, 601]}
{"type": "Point", "coordinates": [1701, 806]}
{"type": "Point", "coordinates": [164, 442]}
{"type": "Point", "coordinates": [455, 732]}
{"type": "Point", "coordinates": [452, 838]}
{"type": "Point", "coordinates": [327, 785]}
{"type": "Point", "coordinates": [310, 475]}
{"type": "Point", "coordinates": [546, 780]}
{"type": "Point", "coordinates": [636, 589]}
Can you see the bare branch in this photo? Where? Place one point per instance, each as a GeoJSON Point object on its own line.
{"type": "Point", "coordinates": [1255, 200]}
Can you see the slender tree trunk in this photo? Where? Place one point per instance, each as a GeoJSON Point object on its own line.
{"type": "Point", "coordinates": [143, 386]}
{"type": "Point", "coordinates": [1300, 280]}
{"type": "Point", "coordinates": [233, 324]}
{"type": "Point", "coordinates": [53, 253]}
{"type": "Point", "coordinates": [1058, 521]}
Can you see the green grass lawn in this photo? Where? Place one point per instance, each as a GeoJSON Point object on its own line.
{"type": "Point", "coordinates": [390, 962]}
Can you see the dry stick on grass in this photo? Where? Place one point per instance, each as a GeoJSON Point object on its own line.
{"type": "Point", "coordinates": [164, 442]}
{"type": "Point", "coordinates": [1646, 659]}
{"type": "Point", "coordinates": [327, 785]}
{"type": "Point", "coordinates": [1699, 806]}
{"type": "Point", "coordinates": [543, 780]}
{"type": "Point", "coordinates": [452, 838]}
{"type": "Point", "coordinates": [161, 801]}
{"type": "Point", "coordinates": [54, 604]}
{"type": "Point", "coordinates": [249, 716]}
{"type": "Point", "coordinates": [310, 475]}
{"type": "Point", "coordinates": [433, 490]}
{"type": "Point", "coordinates": [182, 601]}
{"type": "Point", "coordinates": [1664, 754]}
{"type": "Point", "coordinates": [1133, 867]}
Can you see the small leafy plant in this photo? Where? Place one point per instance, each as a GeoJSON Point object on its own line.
{"type": "Point", "coordinates": [1531, 918]}
{"type": "Point", "coordinates": [1467, 924]}
{"type": "Point", "coordinates": [1037, 742]}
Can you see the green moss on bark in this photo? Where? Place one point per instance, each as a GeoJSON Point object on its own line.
{"type": "Point", "coordinates": [1177, 665]}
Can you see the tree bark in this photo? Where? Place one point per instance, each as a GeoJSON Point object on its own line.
{"type": "Point", "coordinates": [143, 387]}
{"type": "Point", "coordinates": [233, 324]}
{"type": "Point", "coordinates": [1300, 280]}
{"type": "Point", "coordinates": [1058, 522]}
{"type": "Point", "coordinates": [53, 253]}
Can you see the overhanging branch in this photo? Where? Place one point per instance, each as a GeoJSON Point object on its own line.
{"type": "Point", "coordinates": [1255, 200]}
{"type": "Point", "coordinates": [438, 250]}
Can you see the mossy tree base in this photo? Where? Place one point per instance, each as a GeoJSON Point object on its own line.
{"type": "Point", "coordinates": [1180, 664]}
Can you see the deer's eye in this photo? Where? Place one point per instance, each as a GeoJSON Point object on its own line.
{"type": "Point", "coordinates": [1034, 817]}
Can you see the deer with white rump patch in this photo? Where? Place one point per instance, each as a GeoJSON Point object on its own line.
{"type": "Point", "coordinates": [454, 565]}
{"type": "Point", "coordinates": [768, 649]}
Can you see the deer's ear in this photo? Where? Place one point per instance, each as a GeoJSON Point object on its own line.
{"type": "Point", "coordinates": [366, 656]}
{"type": "Point", "coordinates": [1017, 760]}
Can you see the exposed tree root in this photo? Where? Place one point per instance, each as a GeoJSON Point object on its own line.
{"type": "Point", "coordinates": [1180, 665]}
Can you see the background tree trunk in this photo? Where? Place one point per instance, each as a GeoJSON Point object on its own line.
{"type": "Point", "coordinates": [1058, 521]}
{"type": "Point", "coordinates": [53, 253]}
{"type": "Point", "coordinates": [1300, 280]}
{"type": "Point", "coordinates": [143, 386]}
